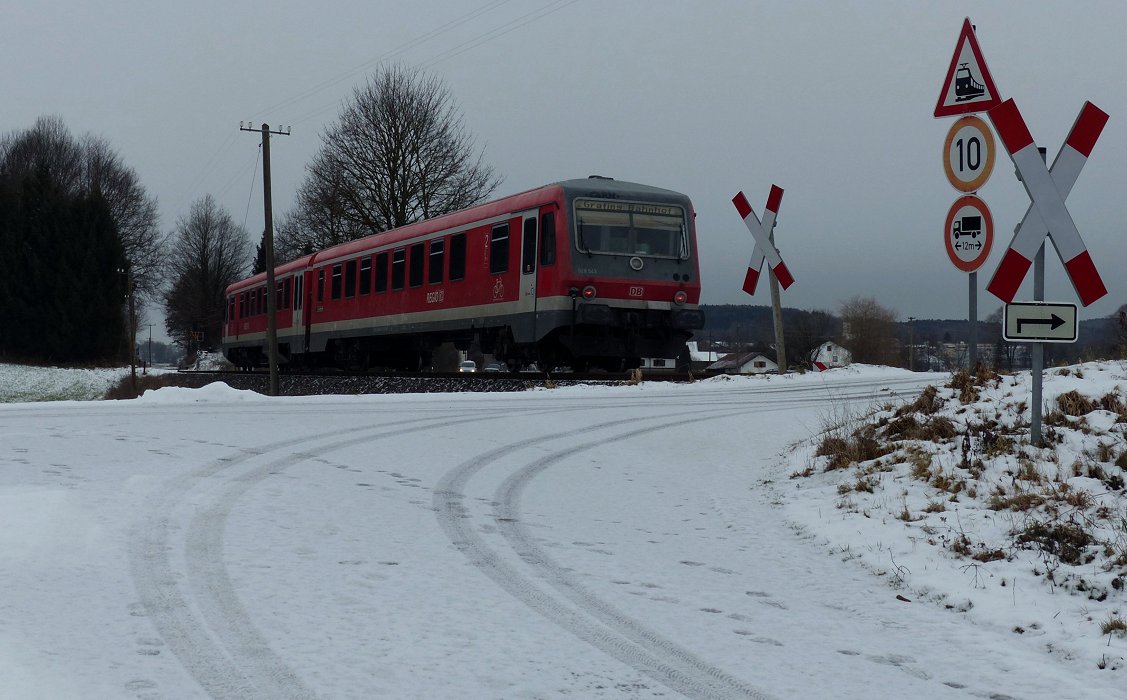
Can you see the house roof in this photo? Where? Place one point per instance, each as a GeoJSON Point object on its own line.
{"type": "Point", "coordinates": [742, 359]}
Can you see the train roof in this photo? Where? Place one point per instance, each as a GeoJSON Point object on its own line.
{"type": "Point", "coordinates": [282, 269]}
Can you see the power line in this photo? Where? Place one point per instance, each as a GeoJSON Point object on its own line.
{"type": "Point", "coordinates": [206, 170]}
{"type": "Point", "coordinates": [501, 31]}
{"type": "Point", "coordinates": [480, 39]}
{"type": "Point", "coordinates": [422, 38]}
{"type": "Point", "coordinates": [250, 194]}
{"type": "Point", "coordinates": [483, 38]}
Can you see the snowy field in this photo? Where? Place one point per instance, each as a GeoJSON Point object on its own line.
{"type": "Point", "coordinates": [588, 542]}
{"type": "Point", "coordinates": [19, 383]}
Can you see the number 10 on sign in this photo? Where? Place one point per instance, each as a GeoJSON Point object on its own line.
{"type": "Point", "coordinates": [968, 154]}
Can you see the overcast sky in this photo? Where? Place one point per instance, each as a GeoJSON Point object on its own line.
{"type": "Point", "coordinates": [832, 101]}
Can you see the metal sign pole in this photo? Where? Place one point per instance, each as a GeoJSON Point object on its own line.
{"type": "Point", "coordinates": [1037, 351]}
{"type": "Point", "coordinates": [972, 314]}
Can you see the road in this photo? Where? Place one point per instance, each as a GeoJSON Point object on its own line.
{"type": "Point", "coordinates": [579, 543]}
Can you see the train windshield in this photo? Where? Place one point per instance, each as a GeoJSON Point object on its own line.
{"type": "Point", "coordinates": [630, 228]}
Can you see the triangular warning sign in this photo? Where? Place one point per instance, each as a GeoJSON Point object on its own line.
{"type": "Point", "coordinates": [968, 87]}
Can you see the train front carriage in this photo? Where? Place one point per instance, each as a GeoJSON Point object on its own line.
{"type": "Point", "coordinates": [627, 288]}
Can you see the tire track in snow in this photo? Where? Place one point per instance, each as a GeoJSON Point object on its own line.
{"type": "Point", "coordinates": [203, 621]}
{"type": "Point", "coordinates": [583, 614]}
{"type": "Point", "coordinates": [713, 681]}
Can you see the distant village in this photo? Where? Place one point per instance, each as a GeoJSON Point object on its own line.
{"type": "Point", "coordinates": [741, 340]}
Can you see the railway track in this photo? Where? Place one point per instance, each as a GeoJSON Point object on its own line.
{"type": "Point", "coordinates": [378, 382]}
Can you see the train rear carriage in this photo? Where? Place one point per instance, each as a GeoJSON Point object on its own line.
{"type": "Point", "coordinates": [584, 273]}
{"type": "Point", "coordinates": [244, 317]}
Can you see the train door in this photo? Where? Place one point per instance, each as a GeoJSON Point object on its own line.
{"type": "Point", "coordinates": [528, 273]}
{"type": "Point", "coordinates": [295, 302]}
{"type": "Point", "coordinates": [306, 310]}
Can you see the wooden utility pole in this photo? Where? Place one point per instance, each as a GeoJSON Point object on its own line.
{"type": "Point", "coordinates": [127, 272]}
{"type": "Point", "coordinates": [777, 313]}
{"type": "Point", "coordinates": [268, 243]}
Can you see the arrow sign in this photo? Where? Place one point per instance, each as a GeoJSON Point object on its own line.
{"type": "Point", "coordinates": [1039, 322]}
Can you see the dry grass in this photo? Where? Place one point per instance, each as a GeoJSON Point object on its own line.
{"type": "Point", "coordinates": [964, 383]}
{"type": "Point", "coordinates": [907, 427]}
{"type": "Point", "coordinates": [1073, 403]}
{"type": "Point", "coordinates": [843, 452]}
{"type": "Point", "coordinates": [124, 388]}
{"type": "Point", "coordinates": [926, 403]}
{"type": "Point", "coordinates": [1019, 502]}
{"type": "Point", "coordinates": [1065, 540]}
{"type": "Point", "coordinates": [1114, 625]}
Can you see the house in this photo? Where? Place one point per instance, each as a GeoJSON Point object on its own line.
{"type": "Point", "coordinates": [830, 354]}
{"type": "Point", "coordinates": [747, 362]}
{"type": "Point", "coordinates": [699, 360]}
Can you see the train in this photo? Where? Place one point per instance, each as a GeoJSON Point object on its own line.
{"type": "Point", "coordinates": [590, 274]}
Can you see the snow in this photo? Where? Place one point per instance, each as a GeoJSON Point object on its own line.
{"type": "Point", "coordinates": [588, 541]}
{"type": "Point", "coordinates": [19, 383]}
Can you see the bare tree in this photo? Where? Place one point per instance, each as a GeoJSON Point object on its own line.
{"type": "Point", "coordinates": [87, 167]}
{"type": "Point", "coordinates": [1120, 318]}
{"type": "Point", "coordinates": [806, 331]}
{"type": "Point", "coordinates": [869, 331]}
{"type": "Point", "coordinates": [47, 149]}
{"type": "Point", "coordinates": [134, 212]}
{"type": "Point", "coordinates": [209, 252]}
{"type": "Point", "coordinates": [322, 218]}
{"type": "Point", "coordinates": [398, 153]}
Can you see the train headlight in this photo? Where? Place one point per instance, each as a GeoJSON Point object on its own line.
{"type": "Point", "coordinates": [589, 292]}
{"type": "Point", "coordinates": [680, 297]}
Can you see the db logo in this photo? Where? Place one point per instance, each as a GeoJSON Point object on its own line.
{"type": "Point", "coordinates": [637, 291]}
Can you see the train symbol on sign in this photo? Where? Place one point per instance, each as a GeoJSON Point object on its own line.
{"type": "Point", "coordinates": [966, 87]}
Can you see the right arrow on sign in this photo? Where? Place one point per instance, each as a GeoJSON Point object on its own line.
{"type": "Point", "coordinates": [1053, 323]}
{"type": "Point", "coordinates": [1039, 322]}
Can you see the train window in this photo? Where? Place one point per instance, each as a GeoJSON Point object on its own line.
{"type": "Point", "coordinates": [243, 305]}
{"type": "Point", "coordinates": [398, 263]}
{"type": "Point", "coordinates": [528, 247]}
{"type": "Point", "coordinates": [381, 273]}
{"type": "Point", "coordinates": [499, 249]}
{"type": "Point", "coordinates": [350, 279]}
{"type": "Point", "coordinates": [630, 229]}
{"type": "Point", "coordinates": [365, 275]}
{"type": "Point", "coordinates": [286, 293]}
{"type": "Point", "coordinates": [437, 257]}
{"type": "Point", "coordinates": [320, 285]}
{"type": "Point", "coordinates": [278, 290]}
{"type": "Point", "coordinates": [299, 285]}
{"type": "Point", "coordinates": [418, 264]}
{"type": "Point", "coordinates": [261, 300]}
{"type": "Point", "coordinates": [548, 239]}
{"type": "Point", "coordinates": [338, 274]}
{"type": "Point", "coordinates": [457, 256]}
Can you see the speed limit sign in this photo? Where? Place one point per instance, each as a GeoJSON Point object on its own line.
{"type": "Point", "coordinates": [968, 154]}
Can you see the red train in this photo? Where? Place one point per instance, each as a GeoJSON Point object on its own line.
{"type": "Point", "coordinates": [592, 273]}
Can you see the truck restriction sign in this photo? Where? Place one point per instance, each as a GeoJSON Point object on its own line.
{"type": "Point", "coordinates": [968, 233]}
{"type": "Point", "coordinates": [968, 154]}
